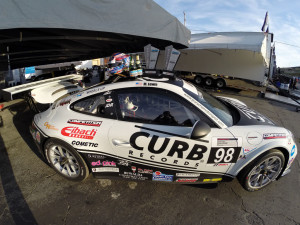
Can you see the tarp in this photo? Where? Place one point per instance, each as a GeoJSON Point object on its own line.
{"type": "Point", "coordinates": [237, 54]}
{"type": "Point", "coordinates": [43, 31]}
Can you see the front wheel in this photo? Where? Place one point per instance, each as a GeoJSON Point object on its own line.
{"type": "Point", "coordinates": [65, 160]}
{"type": "Point", "coordinates": [262, 171]}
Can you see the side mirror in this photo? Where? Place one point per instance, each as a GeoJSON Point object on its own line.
{"type": "Point", "coordinates": [200, 130]}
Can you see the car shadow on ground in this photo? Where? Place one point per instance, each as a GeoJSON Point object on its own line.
{"type": "Point", "coordinates": [22, 119]}
{"type": "Point", "coordinates": [15, 201]}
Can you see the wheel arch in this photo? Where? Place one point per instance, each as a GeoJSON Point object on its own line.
{"type": "Point", "coordinates": [60, 140]}
{"type": "Point", "coordinates": [284, 151]}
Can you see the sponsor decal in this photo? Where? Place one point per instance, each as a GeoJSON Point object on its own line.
{"type": "Point", "coordinates": [85, 122]}
{"type": "Point", "coordinates": [274, 136]}
{"type": "Point", "coordinates": [75, 132]}
{"type": "Point", "coordinates": [109, 100]}
{"type": "Point", "coordinates": [107, 93]}
{"type": "Point", "coordinates": [212, 180]}
{"type": "Point", "coordinates": [134, 176]}
{"type": "Point", "coordinates": [94, 156]}
{"type": "Point", "coordinates": [103, 163]}
{"type": "Point", "coordinates": [226, 142]}
{"type": "Point", "coordinates": [221, 164]}
{"type": "Point", "coordinates": [38, 137]}
{"type": "Point", "coordinates": [139, 170]}
{"type": "Point", "coordinates": [246, 150]}
{"type": "Point", "coordinates": [109, 105]}
{"type": "Point", "coordinates": [290, 161]}
{"type": "Point", "coordinates": [83, 143]}
{"type": "Point", "coordinates": [187, 175]}
{"type": "Point", "coordinates": [94, 90]}
{"type": "Point", "coordinates": [49, 126]}
{"type": "Point", "coordinates": [158, 176]}
{"type": "Point", "coordinates": [293, 150]}
{"type": "Point", "coordinates": [106, 169]}
{"type": "Point", "coordinates": [65, 102]}
{"type": "Point", "coordinates": [124, 163]}
{"type": "Point", "coordinates": [139, 83]}
{"type": "Point", "coordinates": [249, 113]}
{"type": "Point", "coordinates": [178, 148]}
{"type": "Point", "coordinates": [186, 180]}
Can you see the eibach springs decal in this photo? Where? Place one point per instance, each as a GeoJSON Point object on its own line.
{"type": "Point", "coordinates": [76, 132]}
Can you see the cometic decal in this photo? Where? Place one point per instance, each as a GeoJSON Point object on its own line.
{"type": "Point", "coordinates": [86, 144]}
{"type": "Point", "coordinates": [85, 122]}
{"type": "Point", "coordinates": [78, 133]}
{"type": "Point", "coordinates": [274, 135]}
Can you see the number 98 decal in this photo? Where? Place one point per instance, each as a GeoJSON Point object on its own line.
{"type": "Point", "coordinates": [224, 155]}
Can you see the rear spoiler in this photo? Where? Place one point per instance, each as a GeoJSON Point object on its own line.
{"type": "Point", "coordinates": [14, 92]}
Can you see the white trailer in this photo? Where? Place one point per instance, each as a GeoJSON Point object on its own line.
{"type": "Point", "coordinates": [242, 55]}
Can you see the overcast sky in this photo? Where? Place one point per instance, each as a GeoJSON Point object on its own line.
{"type": "Point", "coordinates": [245, 15]}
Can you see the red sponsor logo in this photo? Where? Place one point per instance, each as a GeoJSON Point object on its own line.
{"type": "Point", "coordinates": [75, 132]}
{"type": "Point", "coordinates": [187, 180]}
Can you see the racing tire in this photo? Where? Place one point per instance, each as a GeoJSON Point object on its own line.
{"type": "Point", "coordinates": [198, 79]}
{"type": "Point", "coordinates": [220, 83]}
{"type": "Point", "coordinates": [209, 81]}
{"type": "Point", "coordinates": [64, 159]}
{"type": "Point", "coordinates": [262, 171]}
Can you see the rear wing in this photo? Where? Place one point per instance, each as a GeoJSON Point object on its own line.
{"type": "Point", "coordinates": [15, 92]}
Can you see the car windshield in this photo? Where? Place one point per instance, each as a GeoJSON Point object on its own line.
{"type": "Point", "coordinates": [214, 105]}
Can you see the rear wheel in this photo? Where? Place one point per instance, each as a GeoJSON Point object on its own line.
{"type": "Point", "coordinates": [220, 83]}
{"type": "Point", "coordinates": [208, 81]}
{"type": "Point", "coordinates": [262, 171]}
{"type": "Point", "coordinates": [64, 159]}
{"type": "Point", "coordinates": [198, 79]}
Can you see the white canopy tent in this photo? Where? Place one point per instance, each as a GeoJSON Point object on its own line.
{"type": "Point", "coordinates": [39, 32]}
{"type": "Point", "coordinates": [237, 54]}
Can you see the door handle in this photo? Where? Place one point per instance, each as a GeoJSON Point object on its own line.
{"type": "Point", "coordinates": [117, 142]}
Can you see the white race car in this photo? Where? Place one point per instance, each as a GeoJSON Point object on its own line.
{"type": "Point", "coordinates": [162, 130]}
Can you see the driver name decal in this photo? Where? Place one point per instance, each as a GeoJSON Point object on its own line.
{"type": "Point", "coordinates": [75, 132]}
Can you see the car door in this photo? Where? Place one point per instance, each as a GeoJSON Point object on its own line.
{"type": "Point", "coordinates": [154, 130]}
{"type": "Point", "coordinates": [90, 120]}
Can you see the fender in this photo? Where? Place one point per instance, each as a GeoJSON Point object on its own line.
{"type": "Point", "coordinates": [242, 163]}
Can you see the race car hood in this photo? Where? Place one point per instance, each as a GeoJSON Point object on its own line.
{"type": "Point", "coordinates": [248, 116]}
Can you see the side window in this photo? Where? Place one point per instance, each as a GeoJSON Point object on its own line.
{"type": "Point", "coordinates": [101, 105]}
{"type": "Point", "coordinates": [154, 107]}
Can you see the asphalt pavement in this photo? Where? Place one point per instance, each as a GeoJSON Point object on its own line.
{"type": "Point", "coordinates": [32, 193]}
